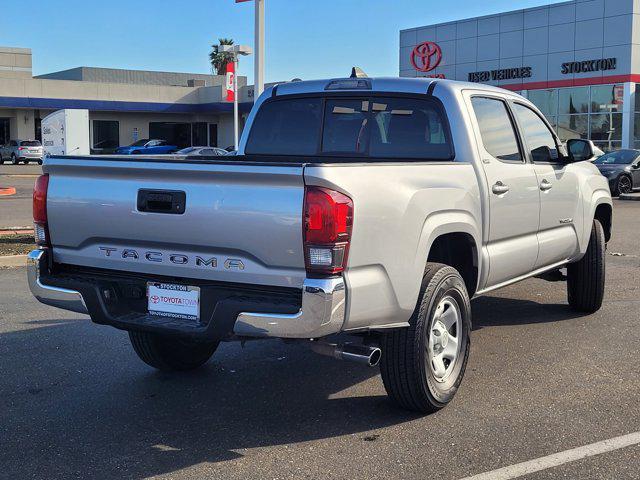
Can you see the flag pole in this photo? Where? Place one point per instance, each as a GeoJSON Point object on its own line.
{"type": "Point", "coordinates": [259, 46]}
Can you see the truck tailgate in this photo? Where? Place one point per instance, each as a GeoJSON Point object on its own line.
{"type": "Point", "coordinates": [242, 222]}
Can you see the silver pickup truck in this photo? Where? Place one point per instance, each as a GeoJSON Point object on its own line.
{"type": "Point", "coordinates": [374, 208]}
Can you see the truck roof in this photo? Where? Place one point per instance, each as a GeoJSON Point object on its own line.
{"type": "Point", "coordinates": [379, 84]}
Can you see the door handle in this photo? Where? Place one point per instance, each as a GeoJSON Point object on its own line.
{"type": "Point", "coordinates": [500, 188]}
{"type": "Point", "coordinates": [545, 185]}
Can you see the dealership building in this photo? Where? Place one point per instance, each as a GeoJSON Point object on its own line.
{"type": "Point", "coordinates": [124, 105]}
{"type": "Point", "coordinates": [578, 61]}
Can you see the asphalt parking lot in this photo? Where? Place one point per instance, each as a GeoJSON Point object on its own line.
{"type": "Point", "coordinates": [15, 209]}
{"type": "Point", "coordinates": [75, 401]}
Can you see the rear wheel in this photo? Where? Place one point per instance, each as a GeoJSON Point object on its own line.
{"type": "Point", "coordinates": [623, 185]}
{"type": "Point", "coordinates": [1, 160]}
{"type": "Point", "coordinates": [422, 365]}
{"type": "Point", "coordinates": [171, 354]}
{"type": "Point", "coordinates": [586, 277]}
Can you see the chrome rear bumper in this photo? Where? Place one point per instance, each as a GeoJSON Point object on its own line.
{"type": "Point", "coordinates": [54, 296]}
{"type": "Point", "coordinates": [322, 312]}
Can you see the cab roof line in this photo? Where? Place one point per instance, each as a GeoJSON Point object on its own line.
{"type": "Point", "coordinates": [432, 85]}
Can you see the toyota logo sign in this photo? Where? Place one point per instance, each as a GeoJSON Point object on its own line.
{"type": "Point", "coordinates": [426, 56]}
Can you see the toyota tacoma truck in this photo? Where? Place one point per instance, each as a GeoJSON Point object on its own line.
{"type": "Point", "coordinates": [371, 208]}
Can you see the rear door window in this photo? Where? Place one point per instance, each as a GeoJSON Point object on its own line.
{"type": "Point", "coordinates": [496, 129]}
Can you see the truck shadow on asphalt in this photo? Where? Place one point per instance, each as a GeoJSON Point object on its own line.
{"type": "Point", "coordinates": [89, 408]}
{"type": "Point", "coordinates": [495, 311]}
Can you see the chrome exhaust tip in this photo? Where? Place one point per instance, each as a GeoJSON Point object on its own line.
{"type": "Point", "coordinates": [362, 354]}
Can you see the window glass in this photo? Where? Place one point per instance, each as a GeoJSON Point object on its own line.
{"type": "Point", "coordinates": [173, 133]}
{"type": "Point", "coordinates": [213, 134]}
{"type": "Point", "coordinates": [207, 151]}
{"type": "Point", "coordinates": [545, 100]}
{"type": "Point", "coordinates": [30, 143]}
{"type": "Point", "coordinates": [621, 157]}
{"type": "Point", "coordinates": [498, 135]}
{"type": "Point", "coordinates": [345, 126]}
{"type": "Point", "coordinates": [606, 127]}
{"type": "Point", "coordinates": [608, 146]}
{"type": "Point", "coordinates": [106, 134]}
{"type": "Point", "coordinates": [606, 98]}
{"type": "Point", "coordinates": [407, 128]}
{"type": "Point", "coordinates": [539, 139]}
{"type": "Point", "coordinates": [286, 127]}
{"type": "Point", "coordinates": [573, 100]}
{"type": "Point", "coordinates": [378, 127]}
{"type": "Point", "coordinates": [573, 126]}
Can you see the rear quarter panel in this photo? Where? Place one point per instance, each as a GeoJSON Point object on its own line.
{"type": "Point", "coordinates": [399, 210]}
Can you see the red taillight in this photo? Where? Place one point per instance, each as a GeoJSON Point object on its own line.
{"type": "Point", "coordinates": [328, 220]}
{"type": "Point", "coordinates": [21, 148]}
{"type": "Point", "coordinates": [41, 229]}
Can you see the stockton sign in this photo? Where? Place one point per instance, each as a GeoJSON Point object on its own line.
{"type": "Point", "coordinates": [599, 65]}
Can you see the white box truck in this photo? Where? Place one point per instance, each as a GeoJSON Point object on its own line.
{"type": "Point", "coordinates": [66, 132]}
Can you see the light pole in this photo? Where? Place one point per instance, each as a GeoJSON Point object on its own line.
{"type": "Point", "coordinates": [235, 51]}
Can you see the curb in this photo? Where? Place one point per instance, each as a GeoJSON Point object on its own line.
{"type": "Point", "coordinates": [630, 196]}
{"type": "Point", "coordinates": [5, 232]}
{"type": "Point", "coordinates": [13, 261]}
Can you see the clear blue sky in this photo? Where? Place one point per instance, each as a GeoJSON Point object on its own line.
{"type": "Point", "coordinates": [304, 38]}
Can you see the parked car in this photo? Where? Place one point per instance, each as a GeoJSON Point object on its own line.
{"type": "Point", "coordinates": [201, 152]}
{"type": "Point", "coordinates": [371, 207]}
{"type": "Point", "coordinates": [24, 151]}
{"type": "Point", "coordinates": [622, 169]}
{"type": "Point", "coordinates": [147, 147]}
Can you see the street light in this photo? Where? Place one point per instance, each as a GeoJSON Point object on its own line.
{"type": "Point", "coordinates": [235, 51]}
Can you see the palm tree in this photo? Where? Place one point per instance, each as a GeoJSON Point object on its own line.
{"type": "Point", "coordinates": [218, 59]}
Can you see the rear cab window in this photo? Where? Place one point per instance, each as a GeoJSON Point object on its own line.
{"type": "Point", "coordinates": [350, 128]}
{"type": "Point", "coordinates": [30, 143]}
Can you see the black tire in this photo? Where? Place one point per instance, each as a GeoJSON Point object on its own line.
{"type": "Point", "coordinates": [39, 162]}
{"type": "Point", "coordinates": [1, 160]}
{"type": "Point", "coordinates": [586, 277]}
{"type": "Point", "coordinates": [406, 367]}
{"type": "Point", "coordinates": [171, 354]}
{"type": "Point", "coordinates": [625, 187]}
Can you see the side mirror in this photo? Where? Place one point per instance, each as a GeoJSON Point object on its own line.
{"type": "Point", "coordinates": [580, 150]}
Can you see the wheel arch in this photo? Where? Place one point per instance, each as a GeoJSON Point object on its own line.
{"type": "Point", "coordinates": [604, 214]}
{"type": "Point", "coordinates": [457, 244]}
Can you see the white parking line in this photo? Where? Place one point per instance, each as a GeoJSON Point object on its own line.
{"type": "Point", "coordinates": [550, 461]}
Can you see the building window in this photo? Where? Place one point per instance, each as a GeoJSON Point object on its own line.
{"type": "Point", "coordinates": [199, 134]}
{"type": "Point", "coordinates": [174, 133]}
{"type": "Point", "coordinates": [106, 135]}
{"type": "Point", "coordinates": [573, 100]}
{"type": "Point", "coordinates": [572, 126]}
{"type": "Point", "coordinates": [607, 98]}
{"type": "Point", "coordinates": [213, 134]}
{"type": "Point", "coordinates": [584, 112]}
{"type": "Point", "coordinates": [545, 100]}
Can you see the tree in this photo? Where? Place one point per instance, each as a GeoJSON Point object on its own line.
{"type": "Point", "coordinates": [219, 60]}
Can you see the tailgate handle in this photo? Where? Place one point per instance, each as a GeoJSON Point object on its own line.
{"type": "Point", "coordinates": [162, 201]}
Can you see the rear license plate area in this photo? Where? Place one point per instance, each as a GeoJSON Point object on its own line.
{"type": "Point", "coordinates": [173, 301]}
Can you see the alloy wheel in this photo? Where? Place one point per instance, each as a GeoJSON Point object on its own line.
{"type": "Point", "coordinates": [443, 348]}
